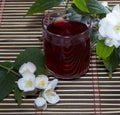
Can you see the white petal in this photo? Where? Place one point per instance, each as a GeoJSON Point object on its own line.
{"type": "Point", "coordinates": [108, 42]}
{"type": "Point", "coordinates": [40, 103]}
{"type": "Point", "coordinates": [41, 82]}
{"type": "Point", "coordinates": [27, 83]}
{"type": "Point", "coordinates": [116, 10]}
{"type": "Point", "coordinates": [27, 67]}
{"type": "Point", "coordinates": [112, 18]}
{"type": "Point", "coordinates": [102, 27]}
{"type": "Point", "coordinates": [53, 83]}
{"type": "Point", "coordinates": [28, 75]}
{"type": "Point", "coordinates": [21, 83]}
{"type": "Point", "coordinates": [111, 42]}
{"type": "Point", "coordinates": [109, 31]}
{"type": "Point", "coordinates": [51, 96]}
{"type": "Point", "coordinates": [116, 43]}
{"type": "Point", "coordinates": [27, 89]}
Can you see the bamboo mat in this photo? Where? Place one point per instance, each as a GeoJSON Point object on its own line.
{"type": "Point", "coordinates": [92, 94]}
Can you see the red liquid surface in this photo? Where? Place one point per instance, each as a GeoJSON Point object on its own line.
{"type": "Point", "coordinates": [67, 57]}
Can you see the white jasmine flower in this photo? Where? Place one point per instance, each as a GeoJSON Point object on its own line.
{"type": "Point", "coordinates": [27, 67]}
{"type": "Point", "coordinates": [49, 94]}
{"type": "Point", "coordinates": [109, 28]}
{"type": "Point", "coordinates": [41, 82]}
{"type": "Point", "coordinates": [40, 103]}
{"type": "Point", "coordinates": [27, 82]}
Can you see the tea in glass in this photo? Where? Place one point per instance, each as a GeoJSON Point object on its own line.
{"type": "Point", "coordinates": [66, 47]}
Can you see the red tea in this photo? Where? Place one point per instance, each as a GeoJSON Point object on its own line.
{"type": "Point", "coordinates": [67, 49]}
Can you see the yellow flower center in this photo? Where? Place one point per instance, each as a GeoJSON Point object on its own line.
{"type": "Point", "coordinates": [42, 83]}
{"type": "Point", "coordinates": [29, 83]}
{"type": "Point", "coordinates": [49, 92]}
{"type": "Point", "coordinates": [117, 28]}
{"type": "Point", "coordinates": [26, 70]}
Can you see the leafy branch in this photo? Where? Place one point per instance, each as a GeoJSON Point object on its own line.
{"type": "Point", "coordinates": [9, 72]}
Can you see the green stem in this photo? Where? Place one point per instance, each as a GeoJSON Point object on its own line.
{"type": "Point", "coordinates": [110, 75]}
{"type": "Point", "coordinates": [9, 70]}
{"type": "Point", "coordinates": [40, 94]}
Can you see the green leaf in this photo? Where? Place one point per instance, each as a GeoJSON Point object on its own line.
{"type": "Point", "coordinates": [102, 50]}
{"type": "Point", "coordinates": [95, 7]}
{"type": "Point", "coordinates": [18, 95]}
{"type": "Point", "coordinates": [91, 6]}
{"type": "Point", "coordinates": [7, 82]}
{"type": "Point", "coordinates": [81, 4]}
{"type": "Point", "coordinates": [78, 11]}
{"type": "Point", "coordinates": [42, 5]}
{"type": "Point", "coordinates": [112, 61]}
{"type": "Point", "coordinates": [34, 55]}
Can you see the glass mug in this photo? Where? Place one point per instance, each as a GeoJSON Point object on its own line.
{"type": "Point", "coordinates": [66, 47]}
